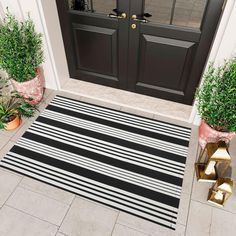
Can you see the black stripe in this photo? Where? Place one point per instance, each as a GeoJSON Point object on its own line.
{"type": "Point", "coordinates": [87, 142]}
{"type": "Point", "coordinates": [99, 191]}
{"type": "Point", "coordinates": [140, 131]}
{"type": "Point", "coordinates": [169, 200]}
{"type": "Point", "coordinates": [104, 159]}
{"type": "Point", "coordinates": [114, 140]}
{"type": "Point", "coordinates": [117, 117]}
{"type": "Point", "coordinates": [187, 129]}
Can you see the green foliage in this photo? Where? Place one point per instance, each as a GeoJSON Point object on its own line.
{"type": "Point", "coordinates": [217, 97]}
{"type": "Point", "coordinates": [11, 104]}
{"type": "Point", "coordinates": [20, 48]}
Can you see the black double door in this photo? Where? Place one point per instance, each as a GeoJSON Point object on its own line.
{"type": "Point", "coordinates": [153, 47]}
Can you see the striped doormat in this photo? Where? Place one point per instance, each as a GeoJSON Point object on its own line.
{"type": "Point", "coordinates": [128, 162]}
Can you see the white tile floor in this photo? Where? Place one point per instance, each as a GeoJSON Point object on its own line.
{"type": "Point", "coordinates": [29, 207]}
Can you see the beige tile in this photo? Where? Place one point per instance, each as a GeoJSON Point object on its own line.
{"type": "Point", "coordinates": [172, 120]}
{"type": "Point", "coordinates": [69, 95]}
{"type": "Point", "coordinates": [8, 183]}
{"type": "Point", "coordinates": [142, 225]}
{"type": "Point", "coordinates": [100, 102]}
{"type": "Point", "coordinates": [60, 234]}
{"type": "Point", "coordinates": [86, 218]}
{"type": "Point", "coordinates": [138, 112]}
{"type": "Point", "coordinates": [174, 110]}
{"type": "Point", "coordinates": [193, 146]}
{"type": "Point", "coordinates": [179, 230]}
{"type": "Point", "coordinates": [188, 178]}
{"type": "Point", "coordinates": [44, 103]}
{"type": "Point", "coordinates": [232, 151]}
{"type": "Point", "coordinates": [199, 219]}
{"type": "Point", "coordinates": [183, 209]}
{"type": "Point", "coordinates": [121, 230]}
{"type": "Point", "coordinates": [47, 93]}
{"type": "Point", "coordinates": [47, 190]}
{"type": "Point", "coordinates": [200, 190]}
{"type": "Point", "coordinates": [133, 100]}
{"type": "Point", "coordinates": [38, 205]}
{"type": "Point", "coordinates": [6, 148]}
{"type": "Point", "coordinates": [16, 223]}
{"type": "Point", "coordinates": [3, 140]}
{"type": "Point", "coordinates": [223, 223]}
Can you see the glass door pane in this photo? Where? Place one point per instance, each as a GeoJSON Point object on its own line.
{"type": "Point", "coordinates": [104, 6]}
{"type": "Point", "coordinates": [160, 10]}
{"type": "Point", "coordinates": [189, 13]}
{"type": "Point", "coordinates": [98, 6]}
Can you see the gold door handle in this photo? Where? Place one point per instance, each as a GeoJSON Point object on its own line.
{"type": "Point", "coordinates": [135, 18]}
{"type": "Point", "coordinates": [118, 16]}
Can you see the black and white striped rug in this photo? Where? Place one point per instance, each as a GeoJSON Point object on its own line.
{"type": "Point", "coordinates": [128, 162]}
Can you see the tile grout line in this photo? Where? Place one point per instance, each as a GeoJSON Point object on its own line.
{"type": "Point", "coordinates": [26, 213]}
{"type": "Point", "coordinates": [214, 207]}
{"type": "Point", "coordinates": [115, 223]}
{"type": "Point", "coordinates": [189, 205]}
{"type": "Point", "coordinates": [142, 232]}
{"type": "Point", "coordinates": [13, 191]}
{"type": "Point", "coordinates": [66, 214]}
{"type": "Point", "coordinates": [44, 195]}
{"type": "Point", "coordinates": [211, 221]}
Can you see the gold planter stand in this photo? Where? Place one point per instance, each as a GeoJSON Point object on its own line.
{"type": "Point", "coordinates": [213, 155]}
{"type": "Point", "coordinates": [220, 192]}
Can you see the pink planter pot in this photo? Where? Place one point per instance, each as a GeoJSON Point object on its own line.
{"type": "Point", "coordinates": [209, 135]}
{"type": "Point", "coordinates": [31, 89]}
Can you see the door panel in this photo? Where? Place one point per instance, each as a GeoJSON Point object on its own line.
{"type": "Point", "coordinates": [169, 54]}
{"type": "Point", "coordinates": [91, 41]}
{"type": "Point", "coordinates": [158, 55]}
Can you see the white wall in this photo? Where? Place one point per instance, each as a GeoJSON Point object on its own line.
{"type": "Point", "coordinates": [224, 45]}
{"type": "Point", "coordinates": [20, 9]}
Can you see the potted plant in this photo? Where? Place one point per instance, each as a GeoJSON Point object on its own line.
{"type": "Point", "coordinates": [216, 103]}
{"type": "Point", "coordinates": [20, 56]}
{"type": "Point", "coordinates": [12, 107]}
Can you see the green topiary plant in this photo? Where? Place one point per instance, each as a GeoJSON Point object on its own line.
{"type": "Point", "coordinates": [20, 48]}
{"type": "Point", "coordinates": [217, 97]}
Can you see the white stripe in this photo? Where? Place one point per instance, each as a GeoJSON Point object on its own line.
{"type": "Point", "coordinates": [76, 144]}
{"type": "Point", "coordinates": [113, 113]}
{"type": "Point", "coordinates": [93, 191]}
{"type": "Point", "coordinates": [120, 117]}
{"type": "Point", "coordinates": [125, 135]}
{"type": "Point", "coordinates": [109, 147]}
{"type": "Point", "coordinates": [120, 121]}
{"type": "Point", "coordinates": [105, 169]}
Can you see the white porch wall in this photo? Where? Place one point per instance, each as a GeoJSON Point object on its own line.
{"type": "Point", "coordinates": [20, 8]}
{"type": "Point", "coordinates": [224, 45]}
{"type": "Point", "coordinates": [44, 14]}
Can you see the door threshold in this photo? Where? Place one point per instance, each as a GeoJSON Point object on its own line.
{"type": "Point", "coordinates": [130, 102]}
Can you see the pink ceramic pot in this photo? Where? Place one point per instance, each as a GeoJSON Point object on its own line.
{"type": "Point", "coordinates": [31, 89]}
{"type": "Point", "coordinates": [209, 135]}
